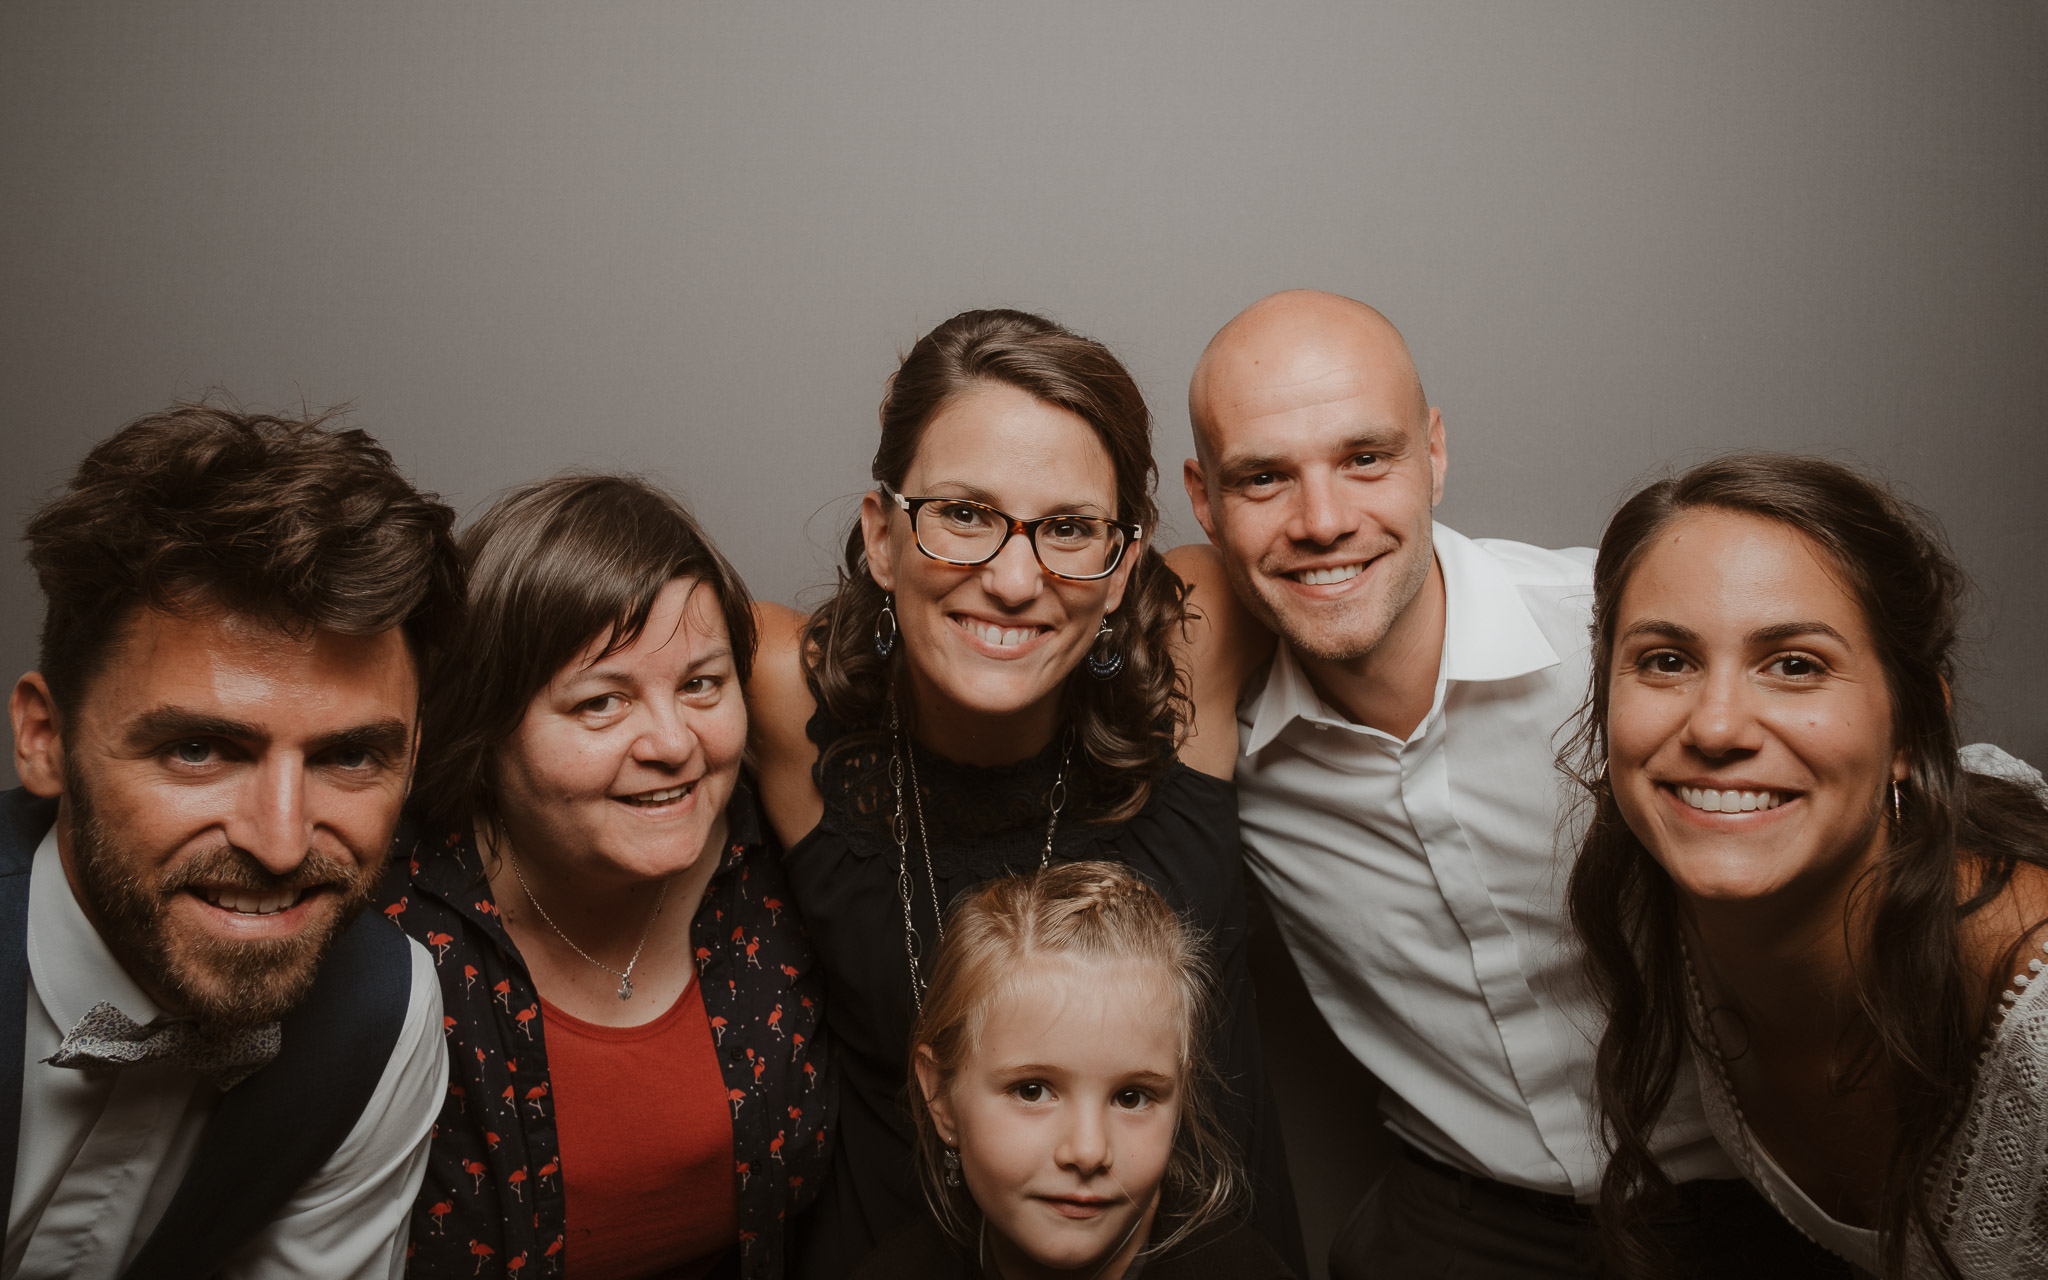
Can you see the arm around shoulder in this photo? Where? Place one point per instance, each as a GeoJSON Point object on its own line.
{"type": "Point", "coordinates": [779, 708]}
{"type": "Point", "coordinates": [1221, 648]}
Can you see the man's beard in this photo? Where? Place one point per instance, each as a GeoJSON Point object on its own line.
{"type": "Point", "coordinates": [223, 984]}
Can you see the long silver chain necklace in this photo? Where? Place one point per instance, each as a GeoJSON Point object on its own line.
{"type": "Point", "coordinates": [625, 976]}
{"type": "Point", "coordinates": [913, 942]}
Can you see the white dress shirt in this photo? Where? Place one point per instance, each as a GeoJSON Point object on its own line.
{"type": "Point", "coordinates": [102, 1152]}
{"type": "Point", "coordinates": [1420, 884]}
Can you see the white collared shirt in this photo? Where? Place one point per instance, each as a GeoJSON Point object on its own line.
{"type": "Point", "coordinates": [1420, 884]}
{"type": "Point", "coordinates": [102, 1152]}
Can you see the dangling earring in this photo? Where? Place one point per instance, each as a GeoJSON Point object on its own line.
{"type": "Point", "coordinates": [952, 1165]}
{"type": "Point", "coordinates": [1103, 661]}
{"type": "Point", "coordinates": [1895, 802]}
{"type": "Point", "coordinates": [885, 629]}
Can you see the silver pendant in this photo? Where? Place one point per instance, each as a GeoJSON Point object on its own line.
{"type": "Point", "coordinates": [625, 988]}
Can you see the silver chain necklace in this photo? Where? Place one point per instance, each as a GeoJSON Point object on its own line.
{"type": "Point", "coordinates": [625, 976]}
{"type": "Point", "coordinates": [913, 943]}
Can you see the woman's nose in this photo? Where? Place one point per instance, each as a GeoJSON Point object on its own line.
{"type": "Point", "coordinates": [1722, 720]}
{"type": "Point", "coordinates": [1014, 577]}
{"type": "Point", "coordinates": [667, 737]}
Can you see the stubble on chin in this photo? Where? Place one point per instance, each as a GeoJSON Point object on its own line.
{"type": "Point", "coordinates": [1341, 631]}
{"type": "Point", "coordinates": [222, 984]}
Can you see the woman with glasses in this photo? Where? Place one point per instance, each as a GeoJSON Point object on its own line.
{"type": "Point", "coordinates": [991, 688]}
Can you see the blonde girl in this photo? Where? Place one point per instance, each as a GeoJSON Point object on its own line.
{"type": "Point", "coordinates": [1059, 1092]}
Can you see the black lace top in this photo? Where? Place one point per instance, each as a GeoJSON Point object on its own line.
{"type": "Point", "coordinates": [986, 822]}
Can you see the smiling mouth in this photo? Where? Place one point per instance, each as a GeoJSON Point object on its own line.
{"type": "Point", "coordinates": [655, 799]}
{"type": "Point", "coordinates": [249, 902]}
{"type": "Point", "coordinates": [999, 637]}
{"type": "Point", "coordinates": [1079, 1206]}
{"type": "Point", "coordinates": [1708, 800]}
{"type": "Point", "coordinates": [1329, 575]}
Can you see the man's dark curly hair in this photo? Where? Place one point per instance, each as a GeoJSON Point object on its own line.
{"type": "Point", "coordinates": [294, 521]}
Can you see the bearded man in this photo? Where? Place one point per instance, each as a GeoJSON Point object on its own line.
{"type": "Point", "coordinates": [210, 1062]}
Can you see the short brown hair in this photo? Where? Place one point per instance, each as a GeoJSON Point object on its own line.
{"type": "Point", "coordinates": [553, 566]}
{"type": "Point", "coordinates": [293, 521]}
{"type": "Point", "coordinates": [1091, 911]}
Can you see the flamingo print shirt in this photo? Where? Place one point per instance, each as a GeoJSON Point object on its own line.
{"type": "Point", "coordinates": [492, 1203]}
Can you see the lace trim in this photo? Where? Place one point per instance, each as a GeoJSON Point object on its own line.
{"type": "Point", "coordinates": [1994, 1221]}
{"type": "Point", "coordinates": [1981, 1232]}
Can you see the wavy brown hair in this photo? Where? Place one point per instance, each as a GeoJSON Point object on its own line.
{"type": "Point", "coordinates": [1924, 1004]}
{"type": "Point", "coordinates": [1092, 911]}
{"type": "Point", "coordinates": [555, 566]}
{"type": "Point", "coordinates": [1127, 728]}
{"type": "Point", "coordinates": [296, 521]}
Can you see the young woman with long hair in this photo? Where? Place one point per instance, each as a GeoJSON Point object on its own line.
{"type": "Point", "coordinates": [1792, 884]}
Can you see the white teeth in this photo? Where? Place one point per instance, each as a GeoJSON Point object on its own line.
{"type": "Point", "coordinates": [1002, 637]}
{"type": "Point", "coordinates": [248, 903]}
{"type": "Point", "coordinates": [1708, 800]}
{"type": "Point", "coordinates": [1324, 577]}
{"type": "Point", "coordinates": [661, 797]}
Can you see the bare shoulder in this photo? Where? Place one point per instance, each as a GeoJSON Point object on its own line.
{"type": "Point", "coordinates": [2001, 936]}
{"type": "Point", "coordinates": [1221, 647]}
{"type": "Point", "coordinates": [779, 709]}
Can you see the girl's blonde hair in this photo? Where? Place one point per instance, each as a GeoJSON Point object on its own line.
{"type": "Point", "coordinates": [1095, 911]}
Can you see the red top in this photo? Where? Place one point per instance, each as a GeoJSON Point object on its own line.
{"type": "Point", "coordinates": [647, 1166]}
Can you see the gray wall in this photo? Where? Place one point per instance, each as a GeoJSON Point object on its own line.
{"type": "Point", "coordinates": [689, 239]}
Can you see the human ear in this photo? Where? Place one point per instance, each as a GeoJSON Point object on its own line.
{"type": "Point", "coordinates": [1198, 495]}
{"type": "Point", "coordinates": [1439, 461]}
{"type": "Point", "coordinates": [874, 536]}
{"type": "Point", "coordinates": [1121, 578]}
{"type": "Point", "coordinates": [38, 742]}
{"type": "Point", "coordinates": [929, 1084]}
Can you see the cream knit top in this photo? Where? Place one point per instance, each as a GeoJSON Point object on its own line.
{"type": "Point", "coordinates": [1995, 1171]}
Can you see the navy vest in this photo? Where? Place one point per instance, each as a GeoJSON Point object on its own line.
{"type": "Point", "coordinates": [270, 1132]}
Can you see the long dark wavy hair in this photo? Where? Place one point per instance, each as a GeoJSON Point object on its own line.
{"type": "Point", "coordinates": [1925, 1006]}
{"type": "Point", "coordinates": [1127, 728]}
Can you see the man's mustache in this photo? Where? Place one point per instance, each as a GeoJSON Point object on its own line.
{"type": "Point", "coordinates": [228, 866]}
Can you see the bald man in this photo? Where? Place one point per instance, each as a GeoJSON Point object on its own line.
{"type": "Point", "coordinates": [1400, 806]}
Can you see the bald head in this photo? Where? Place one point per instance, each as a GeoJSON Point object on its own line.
{"type": "Point", "coordinates": [1299, 345]}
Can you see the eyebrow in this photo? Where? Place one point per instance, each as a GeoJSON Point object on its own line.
{"type": "Point", "coordinates": [1152, 1078]}
{"type": "Point", "coordinates": [168, 724]}
{"type": "Point", "coordinates": [1388, 439]}
{"type": "Point", "coordinates": [614, 675]}
{"type": "Point", "coordinates": [975, 493]}
{"type": "Point", "coordinates": [162, 724]}
{"type": "Point", "coordinates": [386, 737]}
{"type": "Point", "coordinates": [1762, 635]}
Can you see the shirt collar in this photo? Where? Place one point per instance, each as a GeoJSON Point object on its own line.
{"type": "Point", "coordinates": [68, 961]}
{"type": "Point", "coordinates": [1488, 635]}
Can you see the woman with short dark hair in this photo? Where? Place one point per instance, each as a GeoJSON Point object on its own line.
{"type": "Point", "coordinates": [1791, 881]}
{"type": "Point", "coordinates": [636, 1078]}
{"type": "Point", "coordinates": [992, 687]}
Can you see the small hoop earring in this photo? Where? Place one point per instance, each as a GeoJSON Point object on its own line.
{"type": "Point", "coordinates": [952, 1166]}
{"type": "Point", "coordinates": [1895, 802]}
{"type": "Point", "coordinates": [885, 629]}
{"type": "Point", "coordinates": [1103, 661]}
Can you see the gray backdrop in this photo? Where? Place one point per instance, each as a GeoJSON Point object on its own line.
{"type": "Point", "coordinates": [690, 239]}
